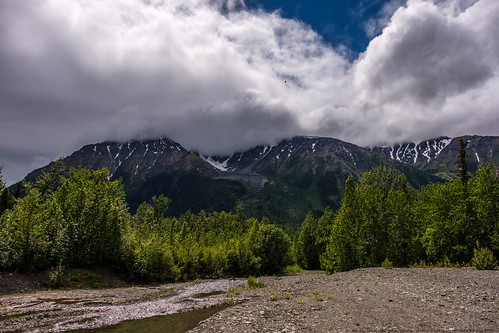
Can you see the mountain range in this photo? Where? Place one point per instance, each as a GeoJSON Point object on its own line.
{"type": "Point", "coordinates": [282, 181]}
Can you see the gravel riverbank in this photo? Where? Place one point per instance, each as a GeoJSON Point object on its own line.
{"type": "Point", "coordinates": [368, 300]}
{"type": "Point", "coordinates": [364, 300]}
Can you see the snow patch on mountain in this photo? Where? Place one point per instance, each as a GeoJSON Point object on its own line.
{"type": "Point", "coordinates": [222, 166]}
{"type": "Point", "coordinates": [415, 152]}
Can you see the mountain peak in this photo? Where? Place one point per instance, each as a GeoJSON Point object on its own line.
{"type": "Point", "coordinates": [282, 181]}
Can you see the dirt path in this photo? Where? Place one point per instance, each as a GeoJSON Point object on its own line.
{"type": "Point", "coordinates": [367, 300]}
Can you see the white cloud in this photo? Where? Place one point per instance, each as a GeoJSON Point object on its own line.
{"type": "Point", "coordinates": [428, 58]}
{"type": "Point", "coordinates": [219, 78]}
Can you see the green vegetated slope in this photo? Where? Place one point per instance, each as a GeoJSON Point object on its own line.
{"type": "Point", "coordinates": [81, 220]}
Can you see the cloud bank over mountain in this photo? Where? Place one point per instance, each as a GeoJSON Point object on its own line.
{"type": "Point", "coordinates": [218, 77]}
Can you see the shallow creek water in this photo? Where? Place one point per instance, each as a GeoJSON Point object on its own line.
{"type": "Point", "coordinates": [168, 308]}
{"type": "Point", "coordinates": [175, 323]}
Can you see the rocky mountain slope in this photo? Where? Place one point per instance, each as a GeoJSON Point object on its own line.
{"type": "Point", "coordinates": [282, 181]}
{"type": "Point", "coordinates": [438, 156]}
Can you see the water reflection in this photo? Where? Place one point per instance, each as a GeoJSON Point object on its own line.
{"type": "Point", "coordinates": [175, 323]}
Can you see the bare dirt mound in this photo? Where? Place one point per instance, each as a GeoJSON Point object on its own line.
{"type": "Point", "coordinates": [368, 300]}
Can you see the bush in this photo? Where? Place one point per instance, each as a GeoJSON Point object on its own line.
{"type": "Point", "coordinates": [483, 258]}
{"type": "Point", "coordinates": [254, 283]}
{"type": "Point", "coordinates": [387, 263]}
{"type": "Point", "coordinates": [56, 278]}
{"type": "Point", "coordinates": [273, 246]}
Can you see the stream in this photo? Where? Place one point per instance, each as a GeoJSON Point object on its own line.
{"type": "Point", "coordinates": [167, 308]}
{"type": "Point", "coordinates": [174, 323]}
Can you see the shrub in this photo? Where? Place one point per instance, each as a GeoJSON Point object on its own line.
{"type": "Point", "coordinates": [483, 258]}
{"type": "Point", "coordinates": [56, 278]}
{"type": "Point", "coordinates": [254, 283]}
{"type": "Point", "coordinates": [293, 269]}
{"type": "Point", "coordinates": [273, 246]}
{"type": "Point", "coordinates": [387, 263]}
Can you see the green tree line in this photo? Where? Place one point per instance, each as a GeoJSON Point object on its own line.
{"type": "Point", "coordinates": [82, 220]}
{"type": "Point", "coordinates": [383, 219]}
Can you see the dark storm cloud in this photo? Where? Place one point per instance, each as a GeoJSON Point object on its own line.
{"type": "Point", "coordinates": [218, 78]}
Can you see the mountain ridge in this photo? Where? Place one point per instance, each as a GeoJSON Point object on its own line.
{"type": "Point", "coordinates": [283, 181]}
{"type": "Point", "coordinates": [438, 156]}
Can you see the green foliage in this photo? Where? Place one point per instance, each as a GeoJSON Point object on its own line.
{"type": "Point", "coordinates": [78, 222]}
{"type": "Point", "coordinates": [160, 206]}
{"type": "Point", "coordinates": [483, 258]}
{"type": "Point", "coordinates": [484, 198]}
{"type": "Point", "coordinates": [203, 245]}
{"type": "Point", "coordinates": [254, 283]}
{"type": "Point", "coordinates": [308, 251]}
{"type": "Point", "coordinates": [341, 251]}
{"type": "Point", "coordinates": [24, 231]}
{"type": "Point", "coordinates": [292, 269]}
{"type": "Point", "coordinates": [81, 219]}
{"type": "Point", "coordinates": [273, 246]}
{"type": "Point", "coordinates": [94, 211]}
{"type": "Point", "coordinates": [462, 163]}
{"type": "Point", "coordinates": [48, 181]}
{"type": "Point", "coordinates": [7, 200]}
{"type": "Point", "coordinates": [56, 277]}
{"type": "Point", "coordinates": [373, 223]}
{"type": "Point", "coordinates": [76, 277]}
{"type": "Point", "coordinates": [387, 263]}
{"type": "Point", "coordinates": [382, 217]}
{"type": "Point", "coordinates": [234, 292]}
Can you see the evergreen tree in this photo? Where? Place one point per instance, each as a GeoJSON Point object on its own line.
{"type": "Point", "coordinates": [461, 161]}
{"type": "Point", "coordinates": [160, 205]}
{"type": "Point", "coordinates": [49, 181]}
{"type": "Point", "coordinates": [308, 252]}
{"type": "Point", "coordinates": [343, 247]}
{"type": "Point", "coordinates": [2, 184]}
{"type": "Point", "coordinates": [7, 200]}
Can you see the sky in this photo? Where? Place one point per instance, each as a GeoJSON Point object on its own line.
{"type": "Point", "coordinates": [220, 76]}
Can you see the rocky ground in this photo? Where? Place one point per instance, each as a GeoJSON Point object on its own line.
{"type": "Point", "coordinates": [67, 310]}
{"type": "Point", "coordinates": [366, 300]}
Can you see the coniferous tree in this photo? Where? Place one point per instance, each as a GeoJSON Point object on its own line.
{"type": "Point", "coordinates": [7, 200]}
{"type": "Point", "coordinates": [343, 247]}
{"type": "Point", "coordinates": [308, 252]}
{"type": "Point", "coordinates": [461, 161]}
{"type": "Point", "coordinates": [2, 184]}
{"type": "Point", "coordinates": [49, 181]}
{"type": "Point", "coordinates": [160, 205]}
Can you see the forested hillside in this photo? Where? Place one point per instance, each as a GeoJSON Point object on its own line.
{"type": "Point", "coordinates": [82, 220]}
